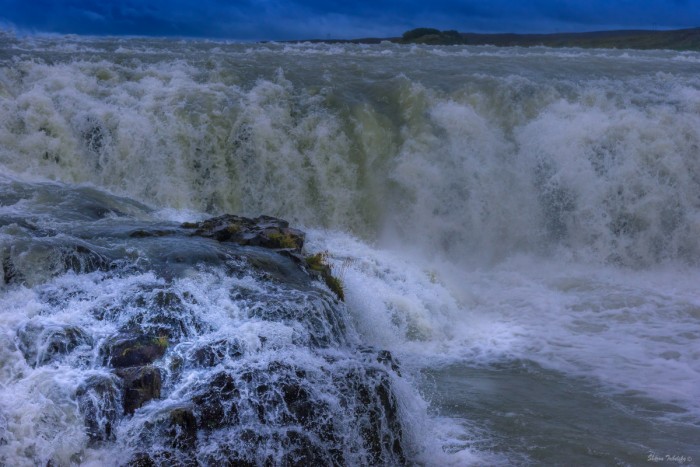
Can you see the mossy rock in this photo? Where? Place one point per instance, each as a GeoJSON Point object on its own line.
{"type": "Point", "coordinates": [282, 240]}
{"type": "Point", "coordinates": [318, 265]}
{"type": "Point", "coordinates": [263, 231]}
{"type": "Point", "coordinates": [129, 350]}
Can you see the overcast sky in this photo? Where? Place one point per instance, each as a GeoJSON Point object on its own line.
{"type": "Point", "coordinates": [304, 19]}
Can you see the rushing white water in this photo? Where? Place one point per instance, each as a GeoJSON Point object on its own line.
{"type": "Point", "coordinates": [520, 227]}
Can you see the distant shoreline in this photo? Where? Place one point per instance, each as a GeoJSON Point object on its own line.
{"type": "Point", "coordinates": [679, 39]}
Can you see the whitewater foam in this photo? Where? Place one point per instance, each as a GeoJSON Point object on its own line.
{"type": "Point", "coordinates": [532, 213]}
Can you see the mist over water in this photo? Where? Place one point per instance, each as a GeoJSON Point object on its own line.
{"type": "Point", "coordinates": [493, 151]}
{"type": "Point", "coordinates": [521, 227]}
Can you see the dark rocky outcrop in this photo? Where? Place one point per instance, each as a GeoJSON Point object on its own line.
{"type": "Point", "coordinates": [386, 358]}
{"type": "Point", "coordinates": [263, 231]}
{"type": "Point", "coordinates": [142, 459]}
{"type": "Point", "coordinates": [268, 232]}
{"type": "Point", "coordinates": [281, 407]}
{"type": "Point", "coordinates": [131, 355]}
{"type": "Point", "coordinates": [156, 311]}
{"type": "Point", "coordinates": [141, 384]}
{"type": "Point", "coordinates": [267, 372]}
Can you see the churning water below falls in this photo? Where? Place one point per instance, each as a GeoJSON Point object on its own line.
{"type": "Point", "coordinates": [517, 232]}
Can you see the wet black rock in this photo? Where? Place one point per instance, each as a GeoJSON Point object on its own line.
{"type": "Point", "coordinates": [229, 455]}
{"type": "Point", "coordinates": [181, 429]}
{"type": "Point", "coordinates": [281, 395]}
{"type": "Point", "coordinates": [377, 414]}
{"type": "Point", "coordinates": [213, 353]}
{"type": "Point", "coordinates": [163, 458]}
{"type": "Point", "coordinates": [142, 459]}
{"type": "Point", "coordinates": [308, 416]}
{"type": "Point", "coordinates": [141, 384]}
{"type": "Point", "coordinates": [216, 402]}
{"type": "Point", "coordinates": [263, 231]}
{"type": "Point", "coordinates": [154, 310]}
{"type": "Point", "coordinates": [44, 343]}
{"type": "Point", "coordinates": [386, 358]}
{"type": "Point", "coordinates": [300, 450]}
{"type": "Point", "coordinates": [300, 404]}
{"type": "Point", "coordinates": [10, 274]}
{"type": "Point", "coordinates": [126, 350]}
{"type": "Point", "coordinates": [168, 437]}
{"type": "Point", "coordinates": [319, 317]}
{"type": "Point", "coordinates": [100, 402]}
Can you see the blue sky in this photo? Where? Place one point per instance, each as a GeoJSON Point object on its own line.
{"type": "Point", "coordinates": [302, 19]}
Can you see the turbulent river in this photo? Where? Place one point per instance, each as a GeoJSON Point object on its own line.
{"type": "Point", "coordinates": [517, 232]}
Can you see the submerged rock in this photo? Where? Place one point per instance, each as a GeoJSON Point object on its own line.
{"type": "Point", "coordinates": [100, 401]}
{"type": "Point", "coordinates": [80, 259]}
{"type": "Point", "coordinates": [44, 343]}
{"type": "Point", "coordinates": [280, 413]}
{"type": "Point", "coordinates": [153, 310]}
{"type": "Point", "coordinates": [142, 459]}
{"type": "Point", "coordinates": [35, 259]}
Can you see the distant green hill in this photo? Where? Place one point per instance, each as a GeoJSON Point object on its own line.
{"type": "Point", "coordinates": [680, 39]}
{"type": "Point", "coordinates": [683, 39]}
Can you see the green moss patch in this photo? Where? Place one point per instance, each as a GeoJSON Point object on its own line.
{"type": "Point", "coordinates": [281, 240]}
{"type": "Point", "coordinates": [318, 264]}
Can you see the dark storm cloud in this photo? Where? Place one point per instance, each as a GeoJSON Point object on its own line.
{"type": "Point", "coordinates": [274, 19]}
